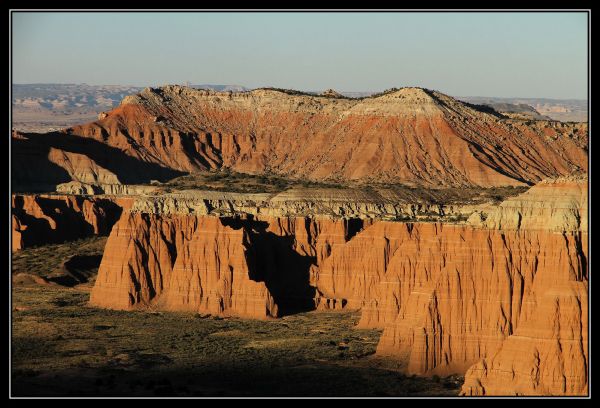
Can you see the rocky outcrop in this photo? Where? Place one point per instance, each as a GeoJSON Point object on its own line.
{"type": "Point", "coordinates": [42, 162]}
{"type": "Point", "coordinates": [44, 219]}
{"type": "Point", "coordinates": [79, 188]}
{"type": "Point", "coordinates": [226, 266]}
{"type": "Point", "coordinates": [458, 292]}
{"type": "Point", "coordinates": [181, 263]}
{"type": "Point", "coordinates": [311, 202]}
{"type": "Point", "coordinates": [552, 205]}
{"type": "Point", "coordinates": [331, 93]}
{"type": "Point", "coordinates": [547, 352]}
{"type": "Point", "coordinates": [411, 136]}
{"type": "Point", "coordinates": [508, 294]}
{"type": "Point", "coordinates": [502, 297]}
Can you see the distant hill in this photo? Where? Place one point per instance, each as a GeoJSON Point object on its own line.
{"type": "Point", "coordinates": [69, 98]}
{"type": "Point", "coordinates": [409, 136]}
{"type": "Point", "coordinates": [565, 110]}
{"type": "Point", "coordinates": [47, 107]}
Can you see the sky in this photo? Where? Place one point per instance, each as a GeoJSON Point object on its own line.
{"type": "Point", "coordinates": [538, 55]}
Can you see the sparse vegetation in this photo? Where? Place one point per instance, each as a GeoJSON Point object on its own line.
{"type": "Point", "coordinates": [287, 91]}
{"type": "Point", "coordinates": [387, 91]}
{"type": "Point", "coordinates": [45, 260]}
{"type": "Point", "coordinates": [62, 347]}
{"type": "Point", "coordinates": [231, 181]}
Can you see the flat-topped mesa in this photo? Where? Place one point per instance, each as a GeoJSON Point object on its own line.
{"type": "Point", "coordinates": [558, 205]}
{"type": "Point", "coordinates": [411, 136]}
{"type": "Point", "coordinates": [450, 298]}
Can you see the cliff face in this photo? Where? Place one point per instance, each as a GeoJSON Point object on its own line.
{"type": "Point", "coordinates": [412, 136]}
{"type": "Point", "coordinates": [43, 219]}
{"type": "Point", "coordinates": [233, 266]}
{"type": "Point", "coordinates": [511, 290]}
{"type": "Point", "coordinates": [181, 263]}
{"type": "Point", "coordinates": [503, 297]}
{"type": "Point", "coordinates": [458, 293]}
{"type": "Point", "coordinates": [547, 353]}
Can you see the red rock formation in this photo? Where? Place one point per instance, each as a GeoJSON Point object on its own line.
{"type": "Point", "coordinates": [548, 352]}
{"type": "Point", "coordinates": [43, 219]}
{"type": "Point", "coordinates": [254, 268]}
{"type": "Point", "coordinates": [44, 162]}
{"type": "Point", "coordinates": [499, 298]}
{"type": "Point", "coordinates": [449, 296]}
{"type": "Point", "coordinates": [412, 136]}
{"type": "Point", "coordinates": [180, 263]}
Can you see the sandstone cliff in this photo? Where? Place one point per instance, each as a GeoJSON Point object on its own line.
{"type": "Point", "coordinates": [502, 297]}
{"type": "Point", "coordinates": [230, 265]}
{"type": "Point", "coordinates": [411, 136]}
{"type": "Point", "coordinates": [547, 354]}
{"type": "Point", "coordinates": [449, 296]}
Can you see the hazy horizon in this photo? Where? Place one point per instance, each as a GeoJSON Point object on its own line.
{"type": "Point", "coordinates": [503, 55]}
{"type": "Point", "coordinates": [303, 90]}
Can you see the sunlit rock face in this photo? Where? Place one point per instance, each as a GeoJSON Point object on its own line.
{"type": "Point", "coordinates": [502, 297]}
{"type": "Point", "coordinates": [412, 136]}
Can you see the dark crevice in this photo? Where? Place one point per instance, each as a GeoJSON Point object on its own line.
{"type": "Point", "coordinates": [272, 259]}
{"type": "Point", "coordinates": [70, 224]}
{"type": "Point", "coordinates": [354, 226]}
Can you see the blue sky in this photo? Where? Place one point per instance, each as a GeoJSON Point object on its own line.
{"type": "Point", "coordinates": [461, 54]}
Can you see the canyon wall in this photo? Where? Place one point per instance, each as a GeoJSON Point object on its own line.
{"type": "Point", "coordinates": [507, 293]}
{"type": "Point", "coordinates": [502, 297]}
{"type": "Point", "coordinates": [241, 266]}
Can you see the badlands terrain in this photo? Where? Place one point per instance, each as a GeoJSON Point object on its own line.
{"type": "Point", "coordinates": [401, 244]}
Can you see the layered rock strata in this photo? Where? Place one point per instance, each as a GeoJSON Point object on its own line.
{"type": "Point", "coordinates": [230, 265]}
{"type": "Point", "coordinates": [502, 297]}
{"type": "Point", "coordinates": [333, 203]}
{"type": "Point", "coordinates": [411, 136]}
